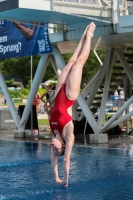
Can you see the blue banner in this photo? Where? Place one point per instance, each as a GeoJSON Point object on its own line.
{"type": "Point", "coordinates": [21, 39]}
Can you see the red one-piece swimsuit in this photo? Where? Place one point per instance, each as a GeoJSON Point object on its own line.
{"type": "Point", "coordinates": [59, 116]}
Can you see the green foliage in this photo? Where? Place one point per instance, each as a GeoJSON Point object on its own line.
{"type": "Point", "coordinates": [67, 57]}
{"type": "Point", "coordinates": [28, 86]}
{"type": "Point", "coordinates": [43, 121]}
{"type": "Point", "coordinates": [49, 74]}
{"type": "Point", "coordinates": [24, 93]}
{"type": "Point", "coordinates": [9, 82]}
{"type": "Point", "coordinates": [41, 91]}
{"type": "Point", "coordinates": [15, 94]}
{"type": "Point", "coordinates": [19, 93]}
{"type": "Point", "coordinates": [20, 67]}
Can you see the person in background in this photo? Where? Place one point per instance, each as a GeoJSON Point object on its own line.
{"type": "Point", "coordinates": [131, 118]}
{"type": "Point", "coordinates": [121, 103]}
{"type": "Point", "coordinates": [45, 97]}
{"type": "Point", "coordinates": [122, 95]}
{"type": "Point", "coordinates": [36, 101]}
{"type": "Point", "coordinates": [4, 101]}
{"type": "Point", "coordinates": [42, 110]}
{"type": "Point", "coordinates": [115, 93]}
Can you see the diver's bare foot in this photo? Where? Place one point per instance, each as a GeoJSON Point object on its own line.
{"type": "Point", "coordinates": [90, 30]}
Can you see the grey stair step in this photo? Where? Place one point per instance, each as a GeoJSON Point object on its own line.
{"type": "Point", "coordinates": [114, 87]}
{"type": "Point", "coordinates": [128, 55]}
{"type": "Point", "coordinates": [129, 62]}
{"type": "Point", "coordinates": [98, 97]}
{"type": "Point", "coordinates": [118, 73]}
{"type": "Point", "coordinates": [120, 68]}
{"type": "Point", "coordinates": [115, 84]}
{"type": "Point", "coordinates": [97, 100]}
{"type": "Point", "coordinates": [120, 78]}
{"type": "Point", "coordinates": [117, 61]}
{"type": "Point", "coordinates": [93, 110]}
{"type": "Point", "coordinates": [99, 92]}
{"type": "Point", "coordinates": [130, 48]}
{"type": "Point", "coordinates": [94, 103]}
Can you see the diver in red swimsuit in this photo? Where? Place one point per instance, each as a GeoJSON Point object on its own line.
{"type": "Point", "coordinates": [59, 117]}
{"type": "Point", "coordinates": [66, 93]}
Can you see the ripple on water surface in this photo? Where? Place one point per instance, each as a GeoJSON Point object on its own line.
{"type": "Point", "coordinates": [96, 173]}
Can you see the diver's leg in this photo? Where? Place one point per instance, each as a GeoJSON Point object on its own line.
{"type": "Point", "coordinates": [74, 78]}
{"type": "Point", "coordinates": [65, 72]}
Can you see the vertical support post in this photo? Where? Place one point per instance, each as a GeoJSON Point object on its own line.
{"type": "Point", "coordinates": [115, 13]}
{"type": "Point", "coordinates": [31, 87]}
{"type": "Point", "coordinates": [9, 100]}
{"type": "Point", "coordinates": [128, 94]}
{"type": "Point", "coordinates": [127, 88]}
{"type": "Point", "coordinates": [52, 5]}
{"type": "Point", "coordinates": [128, 121]}
{"type": "Point", "coordinates": [126, 7]}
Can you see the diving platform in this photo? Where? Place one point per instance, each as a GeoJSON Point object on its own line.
{"type": "Point", "coordinates": [45, 11]}
{"type": "Point", "coordinates": [113, 23]}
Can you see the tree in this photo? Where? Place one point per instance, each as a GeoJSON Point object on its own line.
{"type": "Point", "coordinates": [49, 73]}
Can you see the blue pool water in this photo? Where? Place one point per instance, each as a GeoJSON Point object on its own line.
{"type": "Point", "coordinates": [96, 173]}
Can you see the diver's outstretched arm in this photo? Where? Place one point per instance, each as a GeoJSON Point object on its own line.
{"type": "Point", "coordinates": [54, 161]}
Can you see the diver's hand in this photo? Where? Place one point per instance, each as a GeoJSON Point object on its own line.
{"type": "Point", "coordinates": [58, 181]}
{"type": "Point", "coordinates": [65, 183]}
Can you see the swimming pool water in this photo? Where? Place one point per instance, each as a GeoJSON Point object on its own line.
{"type": "Point", "coordinates": [96, 173]}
